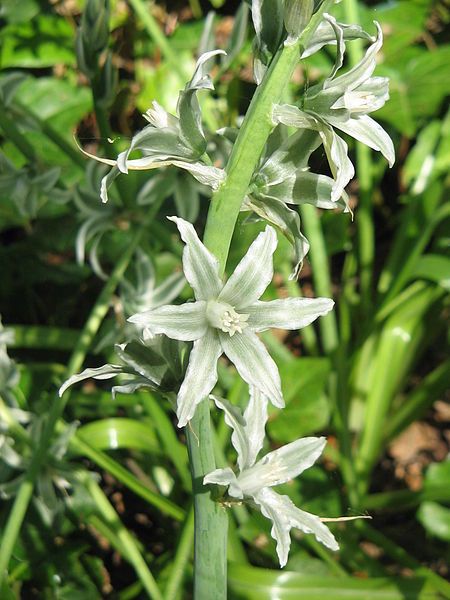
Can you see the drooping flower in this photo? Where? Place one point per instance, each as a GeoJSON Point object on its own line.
{"type": "Point", "coordinates": [226, 317]}
{"type": "Point", "coordinates": [256, 478]}
{"type": "Point", "coordinates": [171, 140]}
{"type": "Point", "coordinates": [344, 102]}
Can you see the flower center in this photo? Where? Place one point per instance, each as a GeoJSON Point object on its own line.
{"type": "Point", "coordinates": [223, 316]}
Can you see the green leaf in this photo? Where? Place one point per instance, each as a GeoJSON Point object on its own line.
{"type": "Point", "coordinates": [436, 519]}
{"type": "Point", "coordinates": [19, 11]}
{"type": "Point", "coordinates": [42, 42]}
{"type": "Point", "coordinates": [416, 91]}
{"type": "Point", "coordinates": [437, 475]}
{"type": "Point", "coordinates": [433, 267]}
{"type": "Point", "coordinates": [119, 433]}
{"type": "Point", "coordinates": [263, 584]}
{"type": "Point", "coordinates": [420, 161]}
{"type": "Point", "coordinates": [58, 101]}
{"type": "Point", "coordinates": [307, 410]}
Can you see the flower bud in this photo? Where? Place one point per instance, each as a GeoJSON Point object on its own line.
{"type": "Point", "coordinates": [297, 14]}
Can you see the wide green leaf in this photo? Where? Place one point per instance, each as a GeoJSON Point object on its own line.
{"type": "Point", "coordinates": [262, 584]}
{"type": "Point", "coordinates": [120, 433]}
{"type": "Point", "coordinates": [38, 43]}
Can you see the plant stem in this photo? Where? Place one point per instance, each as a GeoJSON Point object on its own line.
{"type": "Point", "coordinates": [211, 520]}
{"type": "Point", "coordinates": [253, 134]}
{"type": "Point", "coordinates": [90, 329]}
{"type": "Point", "coordinates": [153, 30]}
{"type": "Point", "coordinates": [364, 173]}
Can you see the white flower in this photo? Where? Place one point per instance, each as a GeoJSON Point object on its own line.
{"type": "Point", "coordinates": [171, 140]}
{"type": "Point", "coordinates": [226, 317]}
{"type": "Point", "coordinates": [344, 102]}
{"type": "Point", "coordinates": [255, 479]}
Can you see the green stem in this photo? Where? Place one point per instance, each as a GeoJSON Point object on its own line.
{"type": "Point", "coordinates": [153, 30]}
{"type": "Point", "coordinates": [132, 553]}
{"type": "Point", "coordinates": [90, 329]}
{"type": "Point", "coordinates": [321, 274]}
{"type": "Point", "coordinates": [211, 519]}
{"type": "Point", "coordinates": [419, 400]}
{"type": "Point", "coordinates": [196, 8]}
{"type": "Point", "coordinates": [401, 500]}
{"type": "Point", "coordinates": [253, 134]}
{"type": "Point", "coordinates": [174, 586]}
{"type": "Point", "coordinates": [364, 173]}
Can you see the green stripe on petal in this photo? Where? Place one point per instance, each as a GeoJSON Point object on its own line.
{"type": "Point", "coordinates": [340, 164]}
{"type": "Point", "coordinates": [185, 322]}
{"type": "Point", "coordinates": [272, 508]}
{"type": "Point", "coordinates": [255, 417]}
{"type": "Point", "coordinates": [285, 515]}
{"type": "Point", "coordinates": [253, 274]}
{"type": "Point", "coordinates": [364, 129]}
{"type": "Point", "coordinates": [254, 363]}
{"type": "Point", "coordinates": [281, 465]}
{"type": "Point", "coordinates": [200, 266]}
{"type": "Point", "coordinates": [201, 376]}
{"type": "Point", "coordinates": [289, 313]}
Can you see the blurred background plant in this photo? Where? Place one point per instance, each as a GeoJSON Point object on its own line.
{"type": "Point", "coordinates": [110, 514]}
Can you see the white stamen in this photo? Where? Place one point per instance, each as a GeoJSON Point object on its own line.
{"type": "Point", "coordinates": [223, 316]}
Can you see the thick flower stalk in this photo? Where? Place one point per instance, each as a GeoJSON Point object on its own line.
{"type": "Point", "coordinates": [344, 102]}
{"type": "Point", "coordinates": [226, 317]}
{"type": "Point", "coordinates": [256, 478]}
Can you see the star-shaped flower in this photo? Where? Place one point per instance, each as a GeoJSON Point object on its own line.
{"type": "Point", "coordinates": [255, 479]}
{"type": "Point", "coordinates": [344, 102]}
{"type": "Point", "coordinates": [226, 317]}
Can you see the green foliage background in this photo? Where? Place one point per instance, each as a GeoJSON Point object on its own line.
{"type": "Point", "coordinates": [361, 377]}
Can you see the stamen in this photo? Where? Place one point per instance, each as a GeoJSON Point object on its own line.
{"type": "Point", "coordinates": [224, 317]}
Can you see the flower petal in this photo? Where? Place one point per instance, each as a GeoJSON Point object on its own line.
{"type": "Point", "coordinates": [340, 164]}
{"type": "Point", "coordinates": [248, 430]}
{"type": "Point", "coordinates": [284, 515]}
{"type": "Point", "coordinates": [235, 420]}
{"type": "Point", "coordinates": [254, 363]}
{"type": "Point", "coordinates": [286, 220]}
{"type": "Point", "coordinates": [272, 507]}
{"type": "Point", "coordinates": [255, 417]}
{"type": "Point", "coordinates": [253, 274]}
{"type": "Point", "coordinates": [201, 268]}
{"type": "Point", "coordinates": [103, 372]}
{"type": "Point", "coordinates": [201, 376]}
{"type": "Point", "coordinates": [224, 477]}
{"type": "Point", "coordinates": [289, 313]}
{"type": "Point", "coordinates": [186, 322]}
{"type": "Point", "coordinates": [282, 464]}
{"type": "Point", "coordinates": [364, 129]}
{"type": "Point", "coordinates": [361, 71]}
{"type": "Point", "coordinates": [309, 523]}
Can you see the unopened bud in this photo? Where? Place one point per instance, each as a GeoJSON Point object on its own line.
{"type": "Point", "coordinates": [297, 14]}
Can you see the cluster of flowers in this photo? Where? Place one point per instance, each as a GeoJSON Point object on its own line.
{"type": "Point", "coordinates": [226, 316]}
